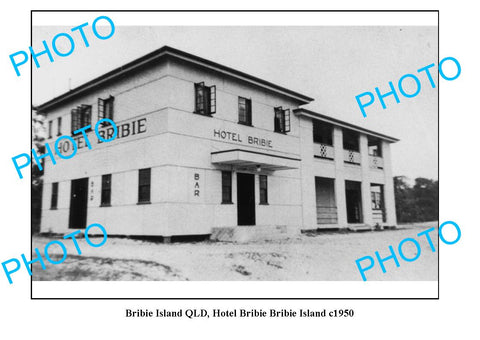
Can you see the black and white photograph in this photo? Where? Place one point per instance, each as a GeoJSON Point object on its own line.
{"type": "Point", "coordinates": [238, 153]}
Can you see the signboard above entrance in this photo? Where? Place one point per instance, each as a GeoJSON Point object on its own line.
{"type": "Point", "coordinates": [236, 137]}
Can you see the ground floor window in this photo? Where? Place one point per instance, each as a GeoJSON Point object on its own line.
{"type": "Point", "coordinates": [376, 201]}
{"type": "Point", "coordinates": [144, 185]}
{"type": "Point", "coordinates": [378, 206]}
{"type": "Point", "coordinates": [106, 190]}
{"type": "Point", "coordinates": [226, 187]}
{"type": "Point", "coordinates": [263, 189]}
{"type": "Point", "coordinates": [54, 200]}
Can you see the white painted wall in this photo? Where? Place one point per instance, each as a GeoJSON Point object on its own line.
{"type": "Point", "coordinates": [176, 145]}
{"type": "Point", "coordinates": [341, 172]}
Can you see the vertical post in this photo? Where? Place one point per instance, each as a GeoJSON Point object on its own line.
{"type": "Point", "coordinates": [339, 177]}
{"type": "Point", "coordinates": [388, 192]}
{"type": "Point", "coordinates": [309, 203]}
{"type": "Point", "coordinates": [366, 195]}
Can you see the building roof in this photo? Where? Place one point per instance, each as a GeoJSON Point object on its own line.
{"type": "Point", "coordinates": [161, 54]}
{"type": "Point", "coordinates": [341, 123]}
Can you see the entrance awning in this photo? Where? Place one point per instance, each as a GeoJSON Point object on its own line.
{"type": "Point", "coordinates": [251, 160]}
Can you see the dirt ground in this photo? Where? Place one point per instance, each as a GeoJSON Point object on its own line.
{"type": "Point", "coordinates": [322, 256]}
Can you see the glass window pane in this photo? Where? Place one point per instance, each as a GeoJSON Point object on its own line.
{"type": "Point", "coordinates": [106, 189]}
{"type": "Point", "coordinates": [226, 187]}
{"type": "Point", "coordinates": [54, 198]}
{"type": "Point", "coordinates": [263, 189]}
{"type": "Point", "coordinates": [144, 185]}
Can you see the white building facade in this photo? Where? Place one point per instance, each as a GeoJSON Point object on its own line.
{"type": "Point", "coordinates": [203, 149]}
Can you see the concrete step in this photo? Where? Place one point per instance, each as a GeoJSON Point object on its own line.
{"type": "Point", "coordinates": [242, 234]}
{"type": "Point", "coordinates": [360, 227]}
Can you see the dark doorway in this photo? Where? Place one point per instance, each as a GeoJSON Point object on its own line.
{"type": "Point", "coordinates": [353, 192]}
{"type": "Point", "coordinates": [78, 204]}
{"type": "Point", "coordinates": [246, 199]}
{"type": "Point", "coordinates": [326, 206]}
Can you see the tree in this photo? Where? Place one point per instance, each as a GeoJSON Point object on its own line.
{"type": "Point", "coordinates": [38, 144]}
{"type": "Point", "coordinates": [417, 204]}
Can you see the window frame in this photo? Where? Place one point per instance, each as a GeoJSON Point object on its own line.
{"type": "Point", "coordinates": [148, 179]}
{"type": "Point", "coordinates": [50, 128]}
{"type": "Point", "coordinates": [54, 196]}
{"type": "Point", "coordinates": [227, 184]}
{"type": "Point", "coordinates": [263, 188]}
{"type": "Point", "coordinates": [81, 117]}
{"type": "Point", "coordinates": [59, 126]}
{"type": "Point", "coordinates": [247, 106]}
{"type": "Point", "coordinates": [106, 188]}
{"type": "Point", "coordinates": [283, 125]}
{"type": "Point", "coordinates": [375, 149]}
{"type": "Point", "coordinates": [86, 115]}
{"type": "Point", "coordinates": [322, 133]}
{"type": "Point", "coordinates": [350, 140]}
{"type": "Point", "coordinates": [205, 99]}
{"type": "Point", "coordinates": [75, 119]}
{"type": "Point", "coordinates": [106, 109]}
{"type": "Point", "coordinates": [377, 203]}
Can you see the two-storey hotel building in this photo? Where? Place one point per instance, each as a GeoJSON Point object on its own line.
{"type": "Point", "coordinates": [204, 149]}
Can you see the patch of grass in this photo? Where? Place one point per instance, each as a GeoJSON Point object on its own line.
{"type": "Point", "coordinates": [78, 268]}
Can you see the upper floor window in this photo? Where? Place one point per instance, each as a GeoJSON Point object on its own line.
{"type": "Point", "coordinates": [205, 99]}
{"type": "Point", "coordinates": [59, 126]}
{"type": "Point", "coordinates": [50, 128]}
{"type": "Point", "coordinates": [81, 117]}
{"type": "Point", "coordinates": [374, 147]}
{"type": "Point", "coordinates": [322, 133]}
{"type": "Point", "coordinates": [282, 120]}
{"type": "Point", "coordinates": [351, 140]}
{"type": "Point", "coordinates": [144, 186]}
{"type": "Point", "coordinates": [244, 111]}
{"type": "Point", "coordinates": [105, 109]}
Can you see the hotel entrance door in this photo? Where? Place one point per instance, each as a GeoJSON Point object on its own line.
{"type": "Point", "coordinates": [246, 199]}
{"type": "Point", "coordinates": [353, 192]}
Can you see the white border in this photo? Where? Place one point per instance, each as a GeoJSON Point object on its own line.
{"type": "Point", "coordinates": [235, 289]}
{"type": "Point", "coordinates": [239, 18]}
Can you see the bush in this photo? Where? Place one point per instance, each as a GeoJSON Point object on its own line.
{"type": "Point", "coordinates": [417, 204]}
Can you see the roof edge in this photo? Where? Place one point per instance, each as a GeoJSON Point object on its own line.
{"type": "Point", "coordinates": [172, 52]}
{"type": "Point", "coordinates": [338, 122]}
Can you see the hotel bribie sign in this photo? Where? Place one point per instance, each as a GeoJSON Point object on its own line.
{"type": "Point", "coordinates": [240, 138]}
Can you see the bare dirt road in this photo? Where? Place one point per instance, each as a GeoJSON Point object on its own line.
{"type": "Point", "coordinates": [308, 257]}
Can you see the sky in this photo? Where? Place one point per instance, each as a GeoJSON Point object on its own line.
{"type": "Point", "coordinates": [328, 63]}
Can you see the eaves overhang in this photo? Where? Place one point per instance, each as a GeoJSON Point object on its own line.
{"type": "Point", "coordinates": [162, 54]}
{"type": "Point", "coordinates": [337, 122]}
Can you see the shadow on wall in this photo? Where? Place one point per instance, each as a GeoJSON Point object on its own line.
{"type": "Point", "coordinates": [37, 188]}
